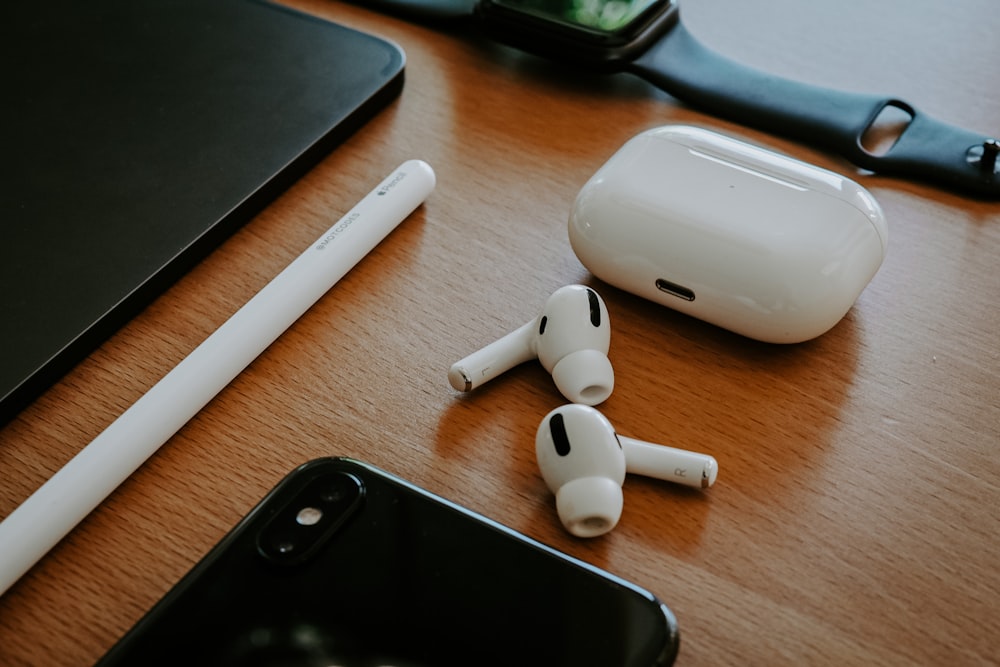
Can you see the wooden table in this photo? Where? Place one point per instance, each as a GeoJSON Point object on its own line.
{"type": "Point", "coordinates": [855, 516]}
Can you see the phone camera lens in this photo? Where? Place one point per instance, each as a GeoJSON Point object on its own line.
{"type": "Point", "coordinates": [308, 516]}
{"type": "Point", "coordinates": [333, 494]}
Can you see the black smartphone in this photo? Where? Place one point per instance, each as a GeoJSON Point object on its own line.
{"type": "Point", "coordinates": [344, 564]}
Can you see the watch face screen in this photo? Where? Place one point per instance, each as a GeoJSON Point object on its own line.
{"type": "Point", "coordinates": [602, 16]}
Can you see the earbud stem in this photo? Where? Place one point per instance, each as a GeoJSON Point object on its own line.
{"type": "Point", "coordinates": [668, 463]}
{"type": "Point", "coordinates": [496, 358]}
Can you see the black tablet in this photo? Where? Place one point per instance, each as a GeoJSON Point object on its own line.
{"type": "Point", "coordinates": [137, 135]}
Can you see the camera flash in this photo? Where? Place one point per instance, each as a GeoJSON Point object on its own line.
{"type": "Point", "coordinates": [309, 516]}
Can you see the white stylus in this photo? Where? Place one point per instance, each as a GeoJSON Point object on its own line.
{"type": "Point", "coordinates": [32, 529]}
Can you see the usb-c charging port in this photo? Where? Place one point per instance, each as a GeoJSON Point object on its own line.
{"type": "Point", "coordinates": [679, 291]}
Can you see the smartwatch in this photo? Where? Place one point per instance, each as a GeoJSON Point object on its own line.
{"type": "Point", "coordinates": [647, 38]}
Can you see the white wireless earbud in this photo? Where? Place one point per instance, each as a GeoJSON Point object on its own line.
{"type": "Point", "coordinates": [583, 461]}
{"type": "Point", "coordinates": [570, 338]}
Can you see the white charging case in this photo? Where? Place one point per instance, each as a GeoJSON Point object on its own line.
{"type": "Point", "coordinates": [758, 243]}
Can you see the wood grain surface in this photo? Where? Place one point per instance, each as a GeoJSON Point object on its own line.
{"type": "Point", "coordinates": [855, 516]}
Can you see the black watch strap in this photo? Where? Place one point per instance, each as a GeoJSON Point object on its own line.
{"type": "Point", "coordinates": [927, 149]}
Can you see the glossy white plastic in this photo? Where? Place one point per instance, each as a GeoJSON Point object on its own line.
{"type": "Point", "coordinates": [570, 339]}
{"type": "Point", "coordinates": [583, 465]}
{"type": "Point", "coordinates": [584, 461]}
{"type": "Point", "coordinates": [758, 243]}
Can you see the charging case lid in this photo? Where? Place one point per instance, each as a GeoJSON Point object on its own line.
{"type": "Point", "coordinates": [758, 243]}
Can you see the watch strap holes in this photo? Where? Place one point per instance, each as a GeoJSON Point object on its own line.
{"type": "Point", "coordinates": [886, 129]}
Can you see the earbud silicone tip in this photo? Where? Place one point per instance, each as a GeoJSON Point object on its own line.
{"type": "Point", "coordinates": [589, 506]}
{"type": "Point", "coordinates": [584, 377]}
